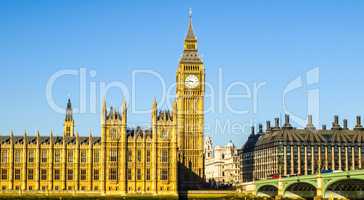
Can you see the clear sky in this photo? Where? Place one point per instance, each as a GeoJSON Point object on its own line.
{"type": "Point", "coordinates": [266, 43]}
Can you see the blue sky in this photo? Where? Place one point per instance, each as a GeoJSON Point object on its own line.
{"type": "Point", "coordinates": [252, 42]}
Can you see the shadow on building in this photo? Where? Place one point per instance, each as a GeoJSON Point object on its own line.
{"type": "Point", "coordinates": [189, 181]}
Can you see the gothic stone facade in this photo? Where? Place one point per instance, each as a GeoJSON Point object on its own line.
{"type": "Point", "coordinates": [286, 151]}
{"type": "Point", "coordinates": [221, 163]}
{"type": "Point", "coordinates": [164, 159]}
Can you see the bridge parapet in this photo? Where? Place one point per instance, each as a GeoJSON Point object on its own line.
{"type": "Point", "coordinates": [316, 185]}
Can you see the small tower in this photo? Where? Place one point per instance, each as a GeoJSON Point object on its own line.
{"type": "Point", "coordinates": [112, 122]}
{"type": "Point", "coordinates": [69, 123]}
{"type": "Point", "coordinates": [154, 111]}
{"type": "Point", "coordinates": [124, 111]}
{"type": "Point", "coordinates": [208, 148]}
{"type": "Point", "coordinates": [103, 111]}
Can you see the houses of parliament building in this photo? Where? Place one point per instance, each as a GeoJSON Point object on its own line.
{"type": "Point", "coordinates": [161, 160]}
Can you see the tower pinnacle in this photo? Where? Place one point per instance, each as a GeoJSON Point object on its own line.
{"type": "Point", "coordinates": [69, 112]}
{"type": "Point", "coordinates": [190, 34]}
{"type": "Point", "coordinates": [69, 123]}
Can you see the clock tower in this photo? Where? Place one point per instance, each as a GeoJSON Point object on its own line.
{"type": "Point", "coordinates": [190, 113]}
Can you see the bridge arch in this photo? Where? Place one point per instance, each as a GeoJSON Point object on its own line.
{"type": "Point", "coordinates": [345, 188]}
{"type": "Point", "coordinates": [300, 190]}
{"type": "Point", "coordinates": [269, 190]}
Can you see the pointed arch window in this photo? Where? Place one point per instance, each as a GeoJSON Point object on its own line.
{"type": "Point", "coordinates": [31, 156]}
{"type": "Point", "coordinates": [114, 134]}
{"type": "Point", "coordinates": [44, 156]}
{"type": "Point", "coordinates": [70, 156]}
{"type": "Point", "coordinates": [164, 135]}
{"type": "Point", "coordinates": [83, 156]}
{"type": "Point", "coordinates": [164, 158]}
{"type": "Point", "coordinates": [4, 156]}
{"type": "Point", "coordinates": [17, 156]}
{"type": "Point", "coordinates": [113, 155]}
{"type": "Point", "coordinates": [57, 156]}
{"type": "Point", "coordinates": [139, 155]}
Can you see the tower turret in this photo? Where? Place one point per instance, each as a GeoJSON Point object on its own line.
{"type": "Point", "coordinates": [103, 111]}
{"type": "Point", "coordinates": [90, 139]}
{"type": "Point", "coordinates": [124, 111]}
{"type": "Point", "coordinates": [69, 124]}
{"type": "Point", "coordinates": [174, 111]}
{"type": "Point", "coordinates": [154, 111]}
{"type": "Point", "coordinates": [51, 138]}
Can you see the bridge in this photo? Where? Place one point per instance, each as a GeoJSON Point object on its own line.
{"type": "Point", "coordinates": [342, 185]}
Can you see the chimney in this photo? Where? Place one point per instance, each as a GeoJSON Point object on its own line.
{"type": "Point", "coordinates": [276, 123]}
{"type": "Point", "coordinates": [335, 124]}
{"type": "Point", "coordinates": [310, 123]}
{"type": "Point", "coordinates": [358, 125]}
{"type": "Point", "coordinates": [287, 125]}
{"type": "Point", "coordinates": [260, 128]}
{"type": "Point", "coordinates": [345, 124]}
{"type": "Point", "coordinates": [268, 126]}
{"type": "Point", "coordinates": [253, 130]}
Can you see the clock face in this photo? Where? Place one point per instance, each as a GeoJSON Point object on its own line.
{"type": "Point", "coordinates": [192, 81]}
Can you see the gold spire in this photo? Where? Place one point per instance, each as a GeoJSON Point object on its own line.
{"type": "Point", "coordinates": [103, 111]}
{"type": "Point", "coordinates": [190, 33]}
{"type": "Point", "coordinates": [124, 106]}
{"type": "Point", "coordinates": [155, 104]}
{"type": "Point", "coordinates": [190, 44]}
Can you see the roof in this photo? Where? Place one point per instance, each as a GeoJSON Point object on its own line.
{"type": "Point", "coordinates": [46, 140]}
{"type": "Point", "coordinates": [251, 143]}
{"type": "Point", "coordinates": [138, 131]}
{"type": "Point", "coordinates": [165, 115]}
{"type": "Point", "coordinates": [190, 34]}
{"type": "Point", "coordinates": [310, 135]}
{"type": "Point", "coordinates": [306, 136]}
{"type": "Point", "coordinates": [190, 56]}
